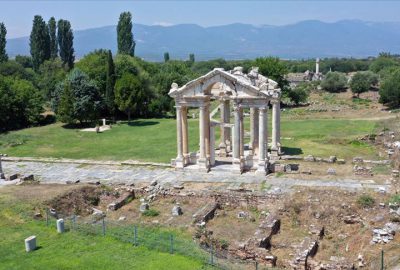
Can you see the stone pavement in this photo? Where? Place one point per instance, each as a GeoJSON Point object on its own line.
{"type": "Point", "coordinates": [60, 172]}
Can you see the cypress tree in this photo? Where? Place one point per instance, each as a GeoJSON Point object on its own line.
{"type": "Point", "coordinates": [65, 39]}
{"type": "Point", "coordinates": [166, 56]}
{"type": "Point", "coordinates": [3, 41]}
{"type": "Point", "coordinates": [110, 83]}
{"type": "Point", "coordinates": [66, 107]}
{"type": "Point", "coordinates": [39, 42]}
{"type": "Point", "coordinates": [53, 38]}
{"type": "Point", "coordinates": [191, 58]}
{"type": "Point", "coordinates": [126, 43]}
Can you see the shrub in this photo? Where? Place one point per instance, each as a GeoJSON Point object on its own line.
{"type": "Point", "coordinates": [366, 201]}
{"type": "Point", "coordinates": [334, 82]}
{"type": "Point", "coordinates": [390, 89]}
{"type": "Point", "coordinates": [395, 198]}
{"type": "Point", "coordinates": [151, 213]}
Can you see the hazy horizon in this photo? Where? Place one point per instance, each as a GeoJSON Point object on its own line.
{"type": "Point", "coordinates": [90, 14]}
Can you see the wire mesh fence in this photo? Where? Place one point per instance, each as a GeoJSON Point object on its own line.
{"type": "Point", "coordinates": [388, 258]}
{"type": "Point", "coordinates": [151, 237]}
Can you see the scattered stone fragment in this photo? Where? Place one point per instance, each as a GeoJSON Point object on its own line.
{"type": "Point", "coordinates": [177, 211]}
{"type": "Point", "coordinates": [153, 183]}
{"type": "Point", "coordinates": [242, 214]}
{"type": "Point", "coordinates": [123, 199]}
{"type": "Point", "coordinates": [144, 207]}
{"type": "Point", "coordinates": [331, 171]}
{"type": "Point", "coordinates": [122, 218]}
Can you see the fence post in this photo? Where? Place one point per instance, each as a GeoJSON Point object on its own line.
{"type": "Point", "coordinates": [382, 263]}
{"type": "Point", "coordinates": [47, 217]}
{"type": "Point", "coordinates": [212, 255]}
{"type": "Point", "coordinates": [171, 241]}
{"type": "Point", "coordinates": [256, 265]}
{"type": "Point", "coordinates": [135, 236]}
{"type": "Point", "coordinates": [104, 226]}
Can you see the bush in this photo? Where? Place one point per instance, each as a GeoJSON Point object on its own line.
{"type": "Point", "coordinates": [366, 201]}
{"type": "Point", "coordinates": [395, 198]}
{"type": "Point", "coordinates": [334, 82]}
{"type": "Point", "coordinates": [390, 89]}
{"type": "Point", "coordinates": [362, 82]}
{"type": "Point", "coordinates": [151, 213]}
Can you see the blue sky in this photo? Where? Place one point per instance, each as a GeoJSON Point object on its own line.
{"type": "Point", "coordinates": [18, 15]}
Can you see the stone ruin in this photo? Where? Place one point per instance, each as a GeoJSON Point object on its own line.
{"type": "Point", "coordinates": [250, 91]}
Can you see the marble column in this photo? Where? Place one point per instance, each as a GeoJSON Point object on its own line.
{"type": "Point", "coordinates": [185, 138]}
{"type": "Point", "coordinates": [275, 124]}
{"type": "Point", "coordinates": [1, 169]}
{"type": "Point", "coordinates": [254, 130]}
{"type": "Point", "coordinates": [202, 132]}
{"type": "Point", "coordinates": [223, 130]}
{"type": "Point", "coordinates": [212, 143]}
{"type": "Point", "coordinates": [207, 132]}
{"type": "Point", "coordinates": [179, 158]}
{"type": "Point", "coordinates": [241, 139]}
{"type": "Point", "coordinates": [262, 140]}
{"type": "Point", "coordinates": [236, 134]}
{"type": "Point", "coordinates": [227, 120]}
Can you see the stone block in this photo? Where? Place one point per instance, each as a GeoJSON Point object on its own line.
{"type": "Point", "coordinates": [28, 177]}
{"type": "Point", "coordinates": [13, 177]}
{"type": "Point", "coordinates": [30, 243]}
{"type": "Point", "coordinates": [60, 225]}
{"type": "Point", "coordinates": [331, 171]}
{"type": "Point", "coordinates": [121, 201]}
{"type": "Point", "coordinates": [309, 158]}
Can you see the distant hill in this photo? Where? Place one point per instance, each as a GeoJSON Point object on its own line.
{"type": "Point", "coordinates": [306, 39]}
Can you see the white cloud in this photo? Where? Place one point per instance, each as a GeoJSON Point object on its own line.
{"type": "Point", "coordinates": [163, 23]}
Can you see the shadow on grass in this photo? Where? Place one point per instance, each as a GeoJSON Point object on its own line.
{"type": "Point", "coordinates": [292, 151]}
{"type": "Point", "coordinates": [141, 123]}
{"type": "Point", "coordinates": [79, 126]}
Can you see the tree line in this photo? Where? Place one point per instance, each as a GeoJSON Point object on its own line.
{"type": "Point", "coordinates": [105, 85]}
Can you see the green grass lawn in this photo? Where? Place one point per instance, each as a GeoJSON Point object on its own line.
{"type": "Point", "coordinates": [72, 250]}
{"type": "Point", "coordinates": [155, 140]}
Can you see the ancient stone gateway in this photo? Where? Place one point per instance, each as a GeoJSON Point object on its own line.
{"type": "Point", "coordinates": [250, 92]}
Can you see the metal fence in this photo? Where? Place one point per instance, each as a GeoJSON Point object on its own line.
{"type": "Point", "coordinates": [388, 258]}
{"type": "Point", "coordinates": [152, 237]}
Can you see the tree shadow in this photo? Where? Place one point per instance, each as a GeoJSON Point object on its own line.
{"type": "Point", "coordinates": [79, 126]}
{"type": "Point", "coordinates": [293, 151]}
{"type": "Point", "coordinates": [142, 123]}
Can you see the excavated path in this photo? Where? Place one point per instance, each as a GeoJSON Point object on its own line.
{"type": "Point", "coordinates": [113, 173]}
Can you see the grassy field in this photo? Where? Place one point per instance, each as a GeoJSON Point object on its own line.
{"type": "Point", "coordinates": [71, 250]}
{"type": "Point", "coordinates": [155, 140]}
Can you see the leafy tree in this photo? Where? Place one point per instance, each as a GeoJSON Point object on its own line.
{"type": "Point", "coordinates": [21, 103]}
{"type": "Point", "coordinates": [94, 64]}
{"type": "Point", "coordinates": [3, 41]}
{"type": "Point", "coordinates": [87, 102]}
{"type": "Point", "coordinates": [334, 82]}
{"type": "Point", "coordinates": [274, 69]}
{"type": "Point", "coordinates": [51, 72]}
{"type": "Point", "coordinates": [382, 62]}
{"type": "Point", "coordinates": [362, 82]}
{"type": "Point", "coordinates": [126, 44]}
{"type": "Point", "coordinates": [127, 93]}
{"type": "Point", "coordinates": [53, 38]}
{"type": "Point", "coordinates": [65, 39]}
{"type": "Point", "coordinates": [39, 42]}
{"type": "Point", "coordinates": [191, 58]}
{"type": "Point", "coordinates": [110, 83]}
{"type": "Point", "coordinates": [166, 56]}
{"type": "Point", "coordinates": [14, 70]}
{"type": "Point", "coordinates": [23, 60]}
{"type": "Point", "coordinates": [299, 94]}
{"type": "Point", "coordinates": [390, 89]}
{"type": "Point", "coordinates": [66, 106]}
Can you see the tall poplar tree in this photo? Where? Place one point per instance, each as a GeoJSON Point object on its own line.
{"type": "Point", "coordinates": [110, 83]}
{"type": "Point", "coordinates": [39, 42]}
{"type": "Point", "coordinates": [126, 43]}
{"type": "Point", "coordinates": [53, 38]}
{"type": "Point", "coordinates": [65, 39]}
{"type": "Point", "coordinates": [3, 41]}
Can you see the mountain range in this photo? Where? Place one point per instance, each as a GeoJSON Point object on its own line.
{"type": "Point", "coordinates": [306, 39]}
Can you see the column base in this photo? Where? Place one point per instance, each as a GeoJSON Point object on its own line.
{"type": "Point", "coordinates": [262, 167]}
{"type": "Point", "coordinates": [186, 159]}
{"type": "Point", "coordinates": [274, 155]}
{"type": "Point", "coordinates": [222, 150]}
{"type": "Point", "coordinates": [203, 163]}
{"type": "Point", "coordinates": [179, 163]}
{"type": "Point", "coordinates": [238, 165]}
